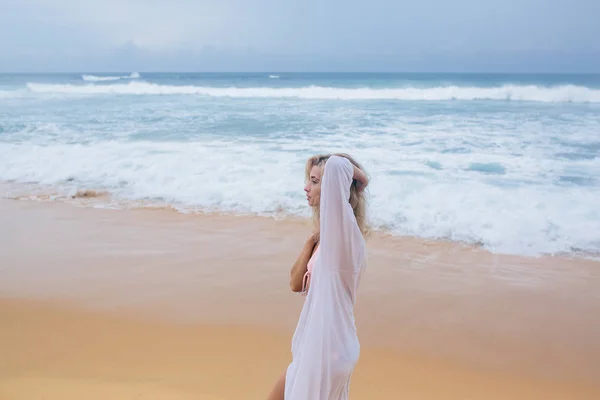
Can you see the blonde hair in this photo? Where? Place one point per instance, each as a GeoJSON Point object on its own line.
{"type": "Point", "coordinates": [358, 200]}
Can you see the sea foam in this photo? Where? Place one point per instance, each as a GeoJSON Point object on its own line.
{"type": "Point", "coordinates": [94, 78]}
{"type": "Point", "coordinates": [533, 93]}
{"type": "Point", "coordinates": [527, 219]}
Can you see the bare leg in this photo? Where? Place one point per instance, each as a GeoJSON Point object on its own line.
{"type": "Point", "coordinates": [278, 391]}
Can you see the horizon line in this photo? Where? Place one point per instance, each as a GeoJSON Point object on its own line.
{"type": "Point", "coordinates": [303, 72]}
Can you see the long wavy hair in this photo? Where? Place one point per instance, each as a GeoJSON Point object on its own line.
{"type": "Point", "coordinates": [358, 200]}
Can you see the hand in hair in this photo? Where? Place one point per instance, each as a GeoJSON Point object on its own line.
{"type": "Point", "coordinates": [360, 178]}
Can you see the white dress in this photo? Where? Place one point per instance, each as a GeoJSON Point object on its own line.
{"type": "Point", "coordinates": [325, 346]}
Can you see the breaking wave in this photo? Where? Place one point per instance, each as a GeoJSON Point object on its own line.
{"type": "Point", "coordinates": [564, 93]}
{"type": "Point", "coordinates": [94, 78]}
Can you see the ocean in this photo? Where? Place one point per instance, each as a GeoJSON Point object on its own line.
{"type": "Point", "coordinates": [507, 162]}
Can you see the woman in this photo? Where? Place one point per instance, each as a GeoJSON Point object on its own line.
{"type": "Point", "coordinates": [325, 345]}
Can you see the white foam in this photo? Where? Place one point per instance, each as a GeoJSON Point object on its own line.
{"type": "Point", "coordinates": [526, 219]}
{"type": "Point", "coordinates": [563, 93]}
{"type": "Point", "coordinates": [94, 78]}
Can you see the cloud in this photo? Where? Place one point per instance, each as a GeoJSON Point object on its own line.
{"type": "Point", "coordinates": [94, 34]}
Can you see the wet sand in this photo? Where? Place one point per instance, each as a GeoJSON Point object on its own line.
{"type": "Point", "coordinates": [124, 303]}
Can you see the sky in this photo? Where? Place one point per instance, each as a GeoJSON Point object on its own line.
{"type": "Point", "coordinates": [300, 35]}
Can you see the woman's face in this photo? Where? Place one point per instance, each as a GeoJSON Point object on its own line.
{"type": "Point", "coordinates": [313, 187]}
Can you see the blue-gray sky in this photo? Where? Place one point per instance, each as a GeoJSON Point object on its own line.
{"type": "Point", "coordinates": [300, 35]}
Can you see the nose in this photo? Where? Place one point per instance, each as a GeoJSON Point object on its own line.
{"type": "Point", "coordinates": [306, 189]}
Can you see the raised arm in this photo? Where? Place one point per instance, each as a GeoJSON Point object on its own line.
{"type": "Point", "coordinates": [338, 228]}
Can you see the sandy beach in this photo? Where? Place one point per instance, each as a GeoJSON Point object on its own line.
{"type": "Point", "coordinates": [154, 304]}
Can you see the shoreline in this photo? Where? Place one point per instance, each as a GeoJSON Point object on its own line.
{"type": "Point", "coordinates": [528, 323]}
{"type": "Point", "coordinates": [103, 199]}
